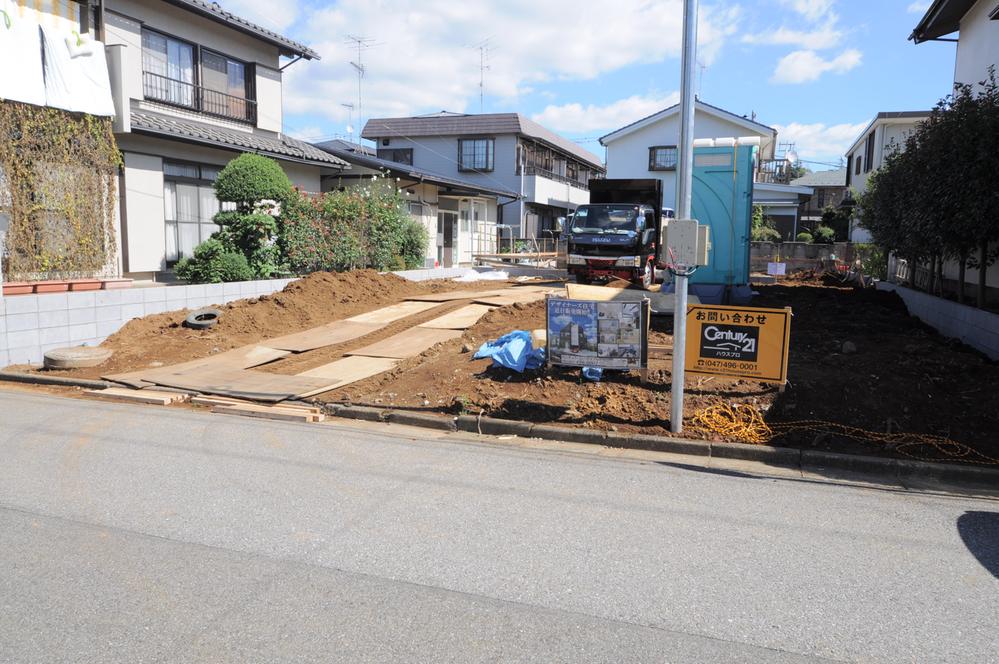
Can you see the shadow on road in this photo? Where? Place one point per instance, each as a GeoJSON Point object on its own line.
{"type": "Point", "coordinates": [711, 471]}
{"type": "Point", "coordinates": [980, 533]}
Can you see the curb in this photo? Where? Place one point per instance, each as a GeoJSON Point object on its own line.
{"type": "Point", "coordinates": [37, 379]}
{"type": "Point", "coordinates": [901, 471]}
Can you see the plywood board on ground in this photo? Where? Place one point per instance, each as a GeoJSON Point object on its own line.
{"type": "Point", "coordinates": [337, 332]}
{"type": "Point", "coordinates": [349, 370]}
{"type": "Point", "coordinates": [243, 384]}
{"type": "Point", "coordinates": [392, 313]}
{"type": "Point", "coordinates": [243, 357]}
{"type": "Point", "coordinates": [409, 343]}
{"type": "Point", "coordinates": [138, 396]}
{"type": "Point", "coordinates": [459, 319]}
{"type": "Point", "coordinates": [269, 412]}
{"type": "Point", "coordinates": [454, 295]}
{"type": "Point", "coordinates": [660, 301]}
{"type": "Point", "coordinates": [506, 300]}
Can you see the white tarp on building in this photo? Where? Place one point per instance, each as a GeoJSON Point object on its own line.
{"type": "Point", "coordinates": [76, 74]}
{"type": "Point", "coordinates": [21, 59]}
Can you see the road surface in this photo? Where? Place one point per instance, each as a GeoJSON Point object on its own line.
{"type": "Point", "coordinates": [143, 534]}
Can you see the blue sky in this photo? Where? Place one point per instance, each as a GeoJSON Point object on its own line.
{"type": "Point", "coordinates": [818, 70]}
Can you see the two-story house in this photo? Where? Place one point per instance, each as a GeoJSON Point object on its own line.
{"type": "Point", "coordinates": [884, 134]}
{"type": "Point", "coordinates": [501, 150]}
{"type": "Point", "coordinates": [828, 189]}
{"type": "Point", "coordinates": [194, 87]}
{"type": "Point", "coordinates": [647, 148]}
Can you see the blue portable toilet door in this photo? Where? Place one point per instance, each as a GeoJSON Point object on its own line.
{"type": "Point", "coordinates": [722, 199]}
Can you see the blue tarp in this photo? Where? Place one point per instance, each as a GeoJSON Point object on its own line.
{"type": "Point", "coordinates": [514, 351]}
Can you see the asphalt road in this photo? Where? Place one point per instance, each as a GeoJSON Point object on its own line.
{"type": "Point", "coordinates": [142, 534]}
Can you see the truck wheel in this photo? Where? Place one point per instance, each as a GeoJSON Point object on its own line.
{"type": "Point", "coordinates": [648, 276]}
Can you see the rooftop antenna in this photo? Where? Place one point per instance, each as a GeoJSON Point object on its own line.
{"type": "Point", "coordinates": [362, 44]}
{"type": "Point", "coordinates": [350, 120]}
{"type": "Point", "coordinates": [700, 77]}
{"type": "Point", "coordinates": [484, 48]}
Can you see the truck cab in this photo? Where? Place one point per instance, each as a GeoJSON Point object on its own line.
{"type": "Point", "coordinates": [617, 234]}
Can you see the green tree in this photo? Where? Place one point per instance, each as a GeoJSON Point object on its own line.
{"type": "Point", "coordinates": [762, 228]}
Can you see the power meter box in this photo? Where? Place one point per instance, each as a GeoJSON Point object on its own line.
{"type": "Point", "coordinates": [681, 241]}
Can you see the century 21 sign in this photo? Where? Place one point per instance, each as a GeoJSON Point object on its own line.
{"type": "Point", "coordinates": [744, 342]}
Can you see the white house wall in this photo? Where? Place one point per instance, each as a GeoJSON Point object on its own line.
{"type": "Point", "coordinates": [628, 156]}
{"type": "Point", "coordinates": [978, 46]}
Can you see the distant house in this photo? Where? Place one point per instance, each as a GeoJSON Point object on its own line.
{"type": "Point", "coordinates": [828, 187]}
{"type": "Point", "coordinates": [500, 150]}
{"type": "Point", "coordinates": [440, 202]}
{"type": "Point", "coordinates": [647, 148]}
{"type": "Point", "coordinates": [978, 43]}
{"type": "Point", "coordinates": [887, 132]}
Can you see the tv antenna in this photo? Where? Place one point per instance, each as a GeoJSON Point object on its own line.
{"type": "Point", "coordinates": [484, 47]}
{"type": "Point", "coordinates": [362, 44]}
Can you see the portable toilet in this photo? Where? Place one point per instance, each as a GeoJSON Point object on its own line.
{"type": "Point", "coordinates": [722, 199]}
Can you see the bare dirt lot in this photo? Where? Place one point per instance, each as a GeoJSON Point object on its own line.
{"type": "Point", "coordinates": [857, 359]}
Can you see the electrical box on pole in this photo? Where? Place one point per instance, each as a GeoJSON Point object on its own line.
{"type": "Point", "coordinates": [681, 241]}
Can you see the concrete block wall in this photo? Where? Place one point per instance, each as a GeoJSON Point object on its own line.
{"type": "Point", "coordinates": [31, 325]}
{"type": "Point", "coordinates": [974, 327]}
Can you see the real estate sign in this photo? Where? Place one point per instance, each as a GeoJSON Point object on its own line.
{"type": "Point", "coordinates": [744, 342]}
{"type": "Point", "coordinates": [610, 335]}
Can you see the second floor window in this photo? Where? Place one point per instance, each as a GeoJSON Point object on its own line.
{"type": "Point", "coordinates": [476, 154]}
{"type": "Point", "coordinates": [662, 158]}
{"type": "Point", "coordinates": [400, 155]}
{"type": "Point", "coordinates": [184, 74]}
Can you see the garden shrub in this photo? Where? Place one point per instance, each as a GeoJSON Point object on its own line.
{"type": "Point", "coordinates": [824, 235]}
{"type": "Point", "coordinates": [413, 248]}
{"type": "Point", "coordinates": [804, 236]}
{"type": "Point", "coordinates": [250, 178]}
{"type": "Point", "coordinates": [213, 263]}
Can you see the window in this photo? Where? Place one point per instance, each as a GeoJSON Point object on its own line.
{"type": "Point", "coordinates": [869, 153]}
{"type": "Point", "coordinates": [180, 73]}
{"type": "Point", "coordinates": [189, 205]}
{"type": "Point", "coordinates": [476, 154]}
{"type": "Point", "coordinates": [822, 198]}
{"type": "Point", "coordinates": [662, 158]}
{"type": "Point", "coordinates": [400, 155]}
{"type": "Point", "coordinates": [167, 69]}
{"type": "Point", "coordinates": [849, 169]}
{"type": "Point", "coordinates": [857, 168]}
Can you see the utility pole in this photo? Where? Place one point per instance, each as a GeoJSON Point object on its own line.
{"type": "Point", "coordinates": [684, 184]}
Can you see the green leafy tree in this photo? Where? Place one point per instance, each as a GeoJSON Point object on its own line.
{"type": "Point", "coordinates": [805, 237]}
{"type": "Point", "coordinates": [824, 235]}
{"type": "Point", "coordinates": [763, 229]}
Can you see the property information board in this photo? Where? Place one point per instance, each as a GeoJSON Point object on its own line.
{"type": "Point", "coordinates": [744, 342]}
{"type": "Point", "coordinates": [610, 335]}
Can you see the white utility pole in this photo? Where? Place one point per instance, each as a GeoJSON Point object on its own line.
{"type": "Point", "coordinates": [363, 44]}
{"type": "Point", "coordinates": [684, 185]}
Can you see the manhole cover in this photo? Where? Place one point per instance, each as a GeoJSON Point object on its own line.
{"type": "Point", "coordinates": [76, 357]}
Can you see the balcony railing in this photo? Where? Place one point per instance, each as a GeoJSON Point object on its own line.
{"type": "Point", "coordinates": [534, 170]}
{"type": "Point", "coordinates": [198, 98]}
{"type": "Point", "coordinates": [774, 171]}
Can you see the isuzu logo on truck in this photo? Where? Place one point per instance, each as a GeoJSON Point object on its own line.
{"type": "Point", "coordinates": [730, 342]}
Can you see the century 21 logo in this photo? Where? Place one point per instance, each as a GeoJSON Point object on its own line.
{"type": "Point", "coordinates": [730, 342]}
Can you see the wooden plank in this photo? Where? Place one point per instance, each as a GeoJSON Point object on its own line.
{"type": "Point", "coordinates": [454, 295]}
{"type": "Point", "coordinates": [459, 319]}
{"type": "Point", "coordinates": [243, 357]}
{"type": "Point", "coordinates": [138, 396]}
{"type": "Point", "coordinates": [408, 343]}
{"type": "Point", "coordinates": [243, 384]}
{"type": "Point", "coordinates": [660, 301]}
{"type": "Point", "coordinates": [337, 332]}
{"type": "Point", "coordinates": [269, 413]}
{"type": "Point", "coordinates": [392, 313]}
{"type": "Point", "coordinates": [349, 370]}
{"type": "Point", "coordinates": [506, 300]}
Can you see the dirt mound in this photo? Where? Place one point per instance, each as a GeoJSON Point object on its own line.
{"type": "Point", "coordinates": [314, 300]}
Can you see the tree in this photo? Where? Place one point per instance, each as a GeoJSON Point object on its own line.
{"type": "Point", "coordinates": [838, 219]}
{"type": "Point", "coordinates": [763, 228]}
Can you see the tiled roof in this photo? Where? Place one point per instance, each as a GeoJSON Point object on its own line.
{"type": "Point", "coordinates": [458, 124]}
{"type": "Point", "coordinates": [834, 178]}
{"type": "Point", "coordinates": [279, 146]}
{"type": "Point", "coordinates": [362, 157]}
{"type": "Point", "coordinates": [214, 11]}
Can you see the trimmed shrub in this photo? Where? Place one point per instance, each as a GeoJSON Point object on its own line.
{"type": "Point", "coordinates": [413, 248]}
{"type": "Point", "coordinates": [213, 263]}
{"type": "Point", "coordinates": [824, 235]}
{"type": "Point", "coordinates": [250, 178]}
{"type": "Point", "coordinates": [804, 236]}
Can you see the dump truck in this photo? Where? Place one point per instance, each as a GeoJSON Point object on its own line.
{"type": "Point", "coordinates": [616, 234]}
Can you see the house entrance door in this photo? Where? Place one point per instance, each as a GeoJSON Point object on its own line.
{"type": "Point", "coordinates": [447, 228]}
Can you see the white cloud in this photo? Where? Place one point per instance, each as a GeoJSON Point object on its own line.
{"type": "Point", "coordinates": [813, 10]}
{"type": "Point", "coordinates": [307, 133]}
{"type": "Point", "coordinates": [918, 7]}
{"type": "Point", "coordinates": [576, 118]}
{"type": "Point", "coordinates": [805, 66]}
{"type": "Point", "coordinates": [422, 62]}
{"type": "Point", "coordinates": [820, 142]}
{"type": "Point", "coordinates": [821, 38]}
